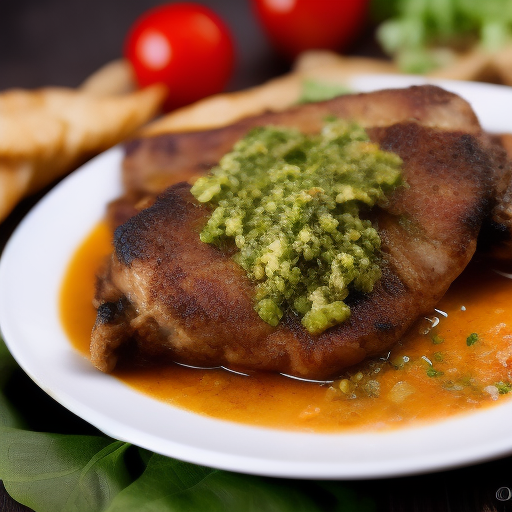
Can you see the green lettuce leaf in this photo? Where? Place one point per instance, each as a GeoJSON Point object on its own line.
{"type": "Point", "coordinates": [175, 486]}
{"type": "Point", "coordinates": [57, 472]}
{"type": "Point", "coordinates": [418, 33]}
{"type": "Point", "coordinates": [9, 417]}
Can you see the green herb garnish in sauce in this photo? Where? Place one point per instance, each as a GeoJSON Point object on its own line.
{"type": "Point", "coordinates": [291, 204]}
{"type": "Point", "coordinates": [437, 340]}
{"type": "Point", "coordinates": [472, 339]}
{"type": "Point", "coordinates": [503, 387]}
{"type": "Point", "coordinates": [432, 372]}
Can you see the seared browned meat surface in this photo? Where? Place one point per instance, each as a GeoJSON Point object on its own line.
{"type": "Point", "coordinates": [167, 294]}
{"type": "Point", "coordinates": [152, 164]}
{"type": "Point", "coordinates": [497, 231]}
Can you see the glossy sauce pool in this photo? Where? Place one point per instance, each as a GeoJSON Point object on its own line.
{"type": "Point", "coordinates": [457, 360]}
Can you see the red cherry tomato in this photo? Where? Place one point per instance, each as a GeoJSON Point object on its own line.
{"type": "Point", "coordinates": [186, 46]}
{"type": "Point", "coordinates": [294, 26]}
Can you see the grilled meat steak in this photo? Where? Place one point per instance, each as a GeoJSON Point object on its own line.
{"type": "Point", "coordinates": [166, 294]}
{"type": "Point", "coordinates": [151, 164]}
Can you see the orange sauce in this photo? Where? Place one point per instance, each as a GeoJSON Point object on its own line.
{"type": "Point", "coordinates": [431, 373]}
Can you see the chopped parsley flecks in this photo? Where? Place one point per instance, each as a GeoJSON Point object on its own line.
{"type": "Point", "coordinates": [503, 387]}
{"type": "Point", "coordinates": [437, 340]}
{"type": "Point", "coordinates": [472, 339]}
{"type": "Point", "coordinates": [432, 372]}
{"type": "Point", "coordinates": [438, 356]}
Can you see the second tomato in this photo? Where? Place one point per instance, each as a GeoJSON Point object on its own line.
{"type": "Point", "coordinates": [294, 26]}
{"type": "Point", "coordinates": [185, 46]}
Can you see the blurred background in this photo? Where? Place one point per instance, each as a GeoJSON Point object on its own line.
{"type": "Point", "coordinates": [56, 42]}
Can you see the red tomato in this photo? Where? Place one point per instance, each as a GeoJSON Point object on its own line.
{"type": "Point", "coordinates": [297, 25]}
{"type": "Point", "coordinates": [186, 46]}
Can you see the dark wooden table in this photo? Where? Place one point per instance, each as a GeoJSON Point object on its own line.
{"type": "Point", "coordinates": [57, 42]}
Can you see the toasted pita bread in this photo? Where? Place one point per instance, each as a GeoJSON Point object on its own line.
{"type": "Point", "coordinates": [116, 77]}
{"type": "Point", "coordinates": [46, 133]}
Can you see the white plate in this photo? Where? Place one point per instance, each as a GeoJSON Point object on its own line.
{"type": "Point", "coordinates": [31, 271]}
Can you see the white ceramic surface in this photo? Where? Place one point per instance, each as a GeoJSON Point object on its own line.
{"type": "Point", "coordinates": [31, 272]}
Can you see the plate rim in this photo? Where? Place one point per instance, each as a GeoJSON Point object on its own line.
{"type": "Point", "coordinates": [253, 460]}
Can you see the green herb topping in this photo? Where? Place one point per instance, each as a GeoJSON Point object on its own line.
{"type": "Point", "coordinates": [291, 204]}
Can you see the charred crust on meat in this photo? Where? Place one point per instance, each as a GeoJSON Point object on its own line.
{"type": "Point", "coordinates": [391, 283]}
{"type": "Point", "coordinates": [384, 326]}
{"type": "Point", "coordinates": [132, 239]}
{"type": "Point", "coordinates": [452, 157]}
{"type": "Point", "coordinates": [127, 247]}
{"type": "Point", "coordinates": [492, 236]}
{"type": "Point", "coordinates": [110, 312]}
